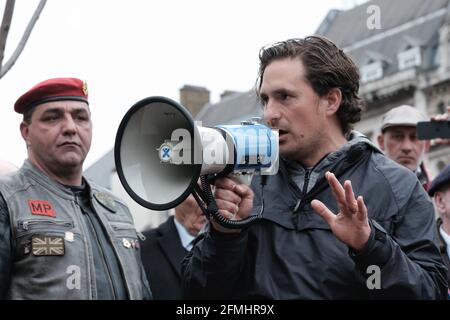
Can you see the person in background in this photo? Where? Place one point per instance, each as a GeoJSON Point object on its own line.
{"type": "Point", "coordinates": [61, 236]}
{"type": "Point", "coordinates": [165, 247]}
{"type": "Point", "coordinates": [440, 191]}
{"type": "Point", "coordinates": [398, 139]}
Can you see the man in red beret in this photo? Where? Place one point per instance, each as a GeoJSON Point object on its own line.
{"type": "Point", "coordinates": [63, 237]}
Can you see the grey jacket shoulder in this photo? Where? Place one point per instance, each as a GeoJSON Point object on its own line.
{"type": "Point", "coordinates": [10, 184]}
{"type": "Point", "coordinates": [401, 181]}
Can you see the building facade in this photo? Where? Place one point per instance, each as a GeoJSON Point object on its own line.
{"type": "Point", "coordinates": [402, 49]}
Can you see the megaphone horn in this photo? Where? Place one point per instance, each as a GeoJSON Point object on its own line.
{"type": "Point", "coordinates": [160, 152]}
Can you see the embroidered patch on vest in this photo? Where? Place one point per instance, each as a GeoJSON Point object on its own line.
{"type": "Point", "coordinates": [106, 201]}
{"type": "Point", "coordinates": [41, 208]}
{"type": "Point", "coordinates": [42, 245]}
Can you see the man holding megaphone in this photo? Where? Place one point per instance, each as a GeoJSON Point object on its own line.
{"type": "Point", "coordinates": [339, 221]}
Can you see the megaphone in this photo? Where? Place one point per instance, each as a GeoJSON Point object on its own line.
{"type": "Point", "coordinates": [160, 152]}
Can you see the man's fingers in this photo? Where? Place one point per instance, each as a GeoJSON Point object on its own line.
{"type": "Point", "coordinates": [244, 191]}
{"type": "Point", "coordinates": [227, 209]}
{"type": "Point", "coordinates": [338, 190]}
{"type": "Point", "coordinates": [323, 211]}
{"type": "Point", "coordinates": [227, 206]}
{"type": "Point", "coordinates": [227, 195]}
{"type": "Point", "coordinates": [225, 183]}
{"type": "Point", "coordinates": [439, 117]}
{"type": "Point", "coordinates": [362, 209]}
{"type": "Point", "coordinates": [351, 202]}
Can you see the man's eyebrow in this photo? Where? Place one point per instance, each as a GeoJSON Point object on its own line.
{"type": "Point", "coordinates": [79, 110]}
{"type": "Point", "coordinates": [283, 91]}
{"type": "Point", "coordinates": [52, 110]}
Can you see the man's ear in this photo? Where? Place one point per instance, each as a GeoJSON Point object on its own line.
{"type": "Point", "coordinates": [24, 130]}
{"type": "Point", "coordinates": [380, 140]}
{"type": "Point", "coordinates": [333, 98]}
{"type": "Point", "coordinates": [439, 202]}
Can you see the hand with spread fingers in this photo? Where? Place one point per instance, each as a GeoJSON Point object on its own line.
{"type": "Point", "coordinates": [351, 224]}
{"type": "Point", "coordinates": [234, 200]}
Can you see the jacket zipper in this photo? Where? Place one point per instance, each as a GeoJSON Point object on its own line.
{"type": "Point", "coordinates": [117, 226]}
{"type": "Point", "coordinates": [121, 226]}
{"type": "Point", "coordinates": [27, 224]}
{"type": "Point", "coordinates": [305, 184]}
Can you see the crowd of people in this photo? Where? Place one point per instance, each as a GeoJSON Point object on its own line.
{"type": "Point", "coordinates": [339, 209]}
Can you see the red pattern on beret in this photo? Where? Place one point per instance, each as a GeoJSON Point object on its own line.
{"type": "Point", "coordinates": [55, 89]}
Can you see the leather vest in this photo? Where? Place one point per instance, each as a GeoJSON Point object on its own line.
{"type": "Point", "coordinates": [52, 257]}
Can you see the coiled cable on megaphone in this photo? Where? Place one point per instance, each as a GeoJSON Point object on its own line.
{"type": "Point", "coordinates": [212, 211]}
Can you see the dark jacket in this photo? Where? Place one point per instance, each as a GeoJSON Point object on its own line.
{"type": "Point", "coordinates": [443, 249]}
{"type": "Point", "coordinates": [292, 253]}
{"type": "Point", "coordinates": [162, 253]}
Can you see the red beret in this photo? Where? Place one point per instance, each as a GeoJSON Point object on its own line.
{"type": "Point", "coordinates": [52, 90]}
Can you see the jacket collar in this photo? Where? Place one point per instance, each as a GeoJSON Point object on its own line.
{"type": "Point", "coordinates": [41, 178]}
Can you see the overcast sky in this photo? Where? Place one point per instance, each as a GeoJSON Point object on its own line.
{"type": "Point", "coordinates": [129, 50]}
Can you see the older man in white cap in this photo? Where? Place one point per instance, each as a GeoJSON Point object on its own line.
{"type": "Point", "coordinates": [398, 139]}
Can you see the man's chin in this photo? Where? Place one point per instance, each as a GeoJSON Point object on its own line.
{"type": "Point", "coordinates": [411, 166]}
{"type": "Point", "coordinates": [288, 154]}
{"type": "Point", "coordinates": [71, 161]}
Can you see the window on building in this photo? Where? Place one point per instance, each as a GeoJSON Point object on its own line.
{"type": "Point", "coordinates": [372, 71]}
{"type": "Point", "coordinates": [435, 55]}
{"type": "Point", "coordinates": [441, 108]}
{"type": "Point", "coordinates": [411, 57]}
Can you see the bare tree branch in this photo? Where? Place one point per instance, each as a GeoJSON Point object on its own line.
{"type": "Point", "coordinates": [5, 68]}
{"type": "Point", "coordinates": [4, 28]}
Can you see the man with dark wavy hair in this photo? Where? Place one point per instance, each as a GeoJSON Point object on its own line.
{"type": "Point", "coordinates": [317, 240]}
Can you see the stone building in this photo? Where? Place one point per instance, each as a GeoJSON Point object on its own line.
{"type": "Point", "coordinates": [403, 60]}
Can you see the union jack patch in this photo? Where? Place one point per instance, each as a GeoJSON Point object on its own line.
{"type": "Point", "coordinates": [42, 245]}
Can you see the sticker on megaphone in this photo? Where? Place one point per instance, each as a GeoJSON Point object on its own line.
{"type": "Point", "coordinates": [250, 147]}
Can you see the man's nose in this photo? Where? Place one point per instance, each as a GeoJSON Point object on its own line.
{"type": "Point", "coordinates": [69, 125]}
{"type": "Point", "coordinates": [407, 146]}
{"type": "Point", "coordinates": [271, 114]}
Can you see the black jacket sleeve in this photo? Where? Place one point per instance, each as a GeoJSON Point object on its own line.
{"type": "Point", "coordinates": [409, 260]}
{"type": "Point", "coordinates": [5, 249]}
{"type": "Point", "coordinates": [212, 268]}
